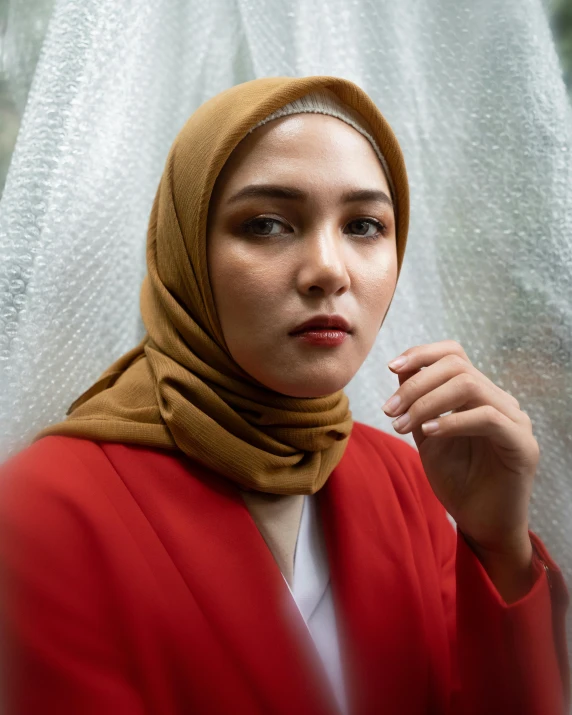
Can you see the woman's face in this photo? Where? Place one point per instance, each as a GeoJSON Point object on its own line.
{"type": "Point", "coordinates": [281, 256]}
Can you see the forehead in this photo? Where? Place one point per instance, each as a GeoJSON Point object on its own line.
{"type": "Point", "coordinates": [304, 148]}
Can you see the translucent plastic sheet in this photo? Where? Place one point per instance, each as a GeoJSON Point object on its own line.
{"type": "Point", "coordinates": [475, 95]}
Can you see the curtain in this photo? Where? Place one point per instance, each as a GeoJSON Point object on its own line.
{"type": "Point", "coordinates": [475, 95]}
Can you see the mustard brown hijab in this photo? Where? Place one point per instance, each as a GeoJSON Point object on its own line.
{"type": "Point", "coordinates": [180, 388]}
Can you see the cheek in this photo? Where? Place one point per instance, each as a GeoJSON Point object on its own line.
{"type": "Point", "coordinates": [378, 283]}
{"type": "Point", "coordinates": [244, 286]}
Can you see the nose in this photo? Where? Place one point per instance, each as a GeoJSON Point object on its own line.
{"type": "Point", "coordinates": [323, 268]}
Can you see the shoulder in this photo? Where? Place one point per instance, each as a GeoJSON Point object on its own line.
{"type": "Point", "coordinates": [71, 493]}
{"type": "Point", "coordinates": [52, 497]}
{"type": "Point", "coordinates": [64, 550]}
{"type": "Point", "coordinates": [69, 529]}
{"type": "Point", "coordinates": [53, 450]}
{"type": "Point", "coordinates": [54, 465]}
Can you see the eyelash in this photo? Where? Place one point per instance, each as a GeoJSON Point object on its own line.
{"type": "Point", "coordinates": [382, 229]}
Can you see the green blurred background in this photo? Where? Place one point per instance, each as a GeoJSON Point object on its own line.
{"type": "Point", "coordinates": [23, 25]}
{"type": "Point", "coordinates": [560, 13]}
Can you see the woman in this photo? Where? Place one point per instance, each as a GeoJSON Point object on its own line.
{"type": "Point", "coordinates": [210, 532]}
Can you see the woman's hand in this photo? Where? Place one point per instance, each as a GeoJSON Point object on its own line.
{"type": "Point", "coordinates": [482, 459]}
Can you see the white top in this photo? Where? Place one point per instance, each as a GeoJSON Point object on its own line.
{"type": "Point", "coordinates": [313, 595]}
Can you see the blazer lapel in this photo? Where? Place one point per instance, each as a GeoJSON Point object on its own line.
{"type": "Point", "coordinates": [375, 587]}
{"type": "Point", "coordinates": [227, 569]}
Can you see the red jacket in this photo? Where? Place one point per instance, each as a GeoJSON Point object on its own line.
{"type": "Point", "coordinates": [135, 581]}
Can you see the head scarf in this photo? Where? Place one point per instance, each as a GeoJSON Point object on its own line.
{"type": "Point", "coordinates": [180, 388]}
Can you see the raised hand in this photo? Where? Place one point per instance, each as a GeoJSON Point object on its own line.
{"type": "Point", "coordinates": [482, 458]}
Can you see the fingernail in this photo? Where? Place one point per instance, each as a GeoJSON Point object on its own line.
{"type": "Point", "coordinates": [392, 404]}
{"type": "Point", "coordinates": [428, 427]}
{"type": "Point", "coordinates": [398, 362]}
{"type": "Point", "coordinates": [401, 422]}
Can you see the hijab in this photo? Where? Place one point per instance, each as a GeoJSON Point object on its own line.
{"type": "Point", "coordinates": [180, 388]}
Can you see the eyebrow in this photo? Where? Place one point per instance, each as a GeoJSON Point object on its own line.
{"type": "Point", "coordinates": [275, 191]}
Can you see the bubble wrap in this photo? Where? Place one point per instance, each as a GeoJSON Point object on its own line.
{"type": "Point", "coordinates": [475, 95]}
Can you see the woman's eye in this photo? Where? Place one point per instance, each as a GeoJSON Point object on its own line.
{"type": "Point", "coordinates": [267, 226]}
{"type": "Point", "coordinates": [262, 226]}
{"type": "Point", "coordinates": [363, 224]}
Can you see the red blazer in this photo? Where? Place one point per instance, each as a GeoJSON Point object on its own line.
{"type": "Point", "coordinates": [135, 581]}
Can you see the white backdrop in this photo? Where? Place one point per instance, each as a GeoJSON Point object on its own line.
{"type": "Point", "coordinates": [475, 96]}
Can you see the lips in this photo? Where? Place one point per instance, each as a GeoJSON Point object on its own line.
{"type": "Point", "coordinates": [323, 322]}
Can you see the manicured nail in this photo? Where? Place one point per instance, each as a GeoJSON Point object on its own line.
{"type": "Point", "coordinates": [398, 362]}
{"type": "Point", "coordinates": [401, 422]}
{"type": "Point", "coordinates": [428, 427]}
{"type": "Point", "coordinates": [392, 404]}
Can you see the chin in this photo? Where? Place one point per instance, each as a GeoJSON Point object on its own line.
{"type": "Point", "coordinates": [310, 392]}
{"type": "Point", "coordinates": [309, 386]}
{"type": "Point", "coordinates": [295, 377]}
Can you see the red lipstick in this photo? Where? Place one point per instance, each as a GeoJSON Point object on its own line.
{"type": "Point", "coordinates": [323, 330]}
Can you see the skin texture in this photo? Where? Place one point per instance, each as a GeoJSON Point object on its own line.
{"type": "Point", "coordinates": [482, 460]}
{"type": "Point", "coordinates": [320, 256]}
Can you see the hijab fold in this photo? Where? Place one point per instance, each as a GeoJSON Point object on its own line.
{"type": "Point", "coordinates": [180, 388]}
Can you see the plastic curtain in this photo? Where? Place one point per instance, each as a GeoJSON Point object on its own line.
{"type": "Point", "coordinates": [475, 94]}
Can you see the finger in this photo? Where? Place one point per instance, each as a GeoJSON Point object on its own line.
{"type": "Point", "coordinates": [422, 356]}
{"type": "Point", "coordinates": [466, 367]}
{"type": "Point", "coordinates": [462, 392]}
{"type": "Point", "coordinates": [414, 386]}
{"type": "Point", "coordinates": [483, 421]}
{"type": "Point", "coordinates": [425, 355]}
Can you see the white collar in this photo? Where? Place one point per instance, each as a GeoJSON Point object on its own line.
{"type": "Point", "coordinates": [311, 570]}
